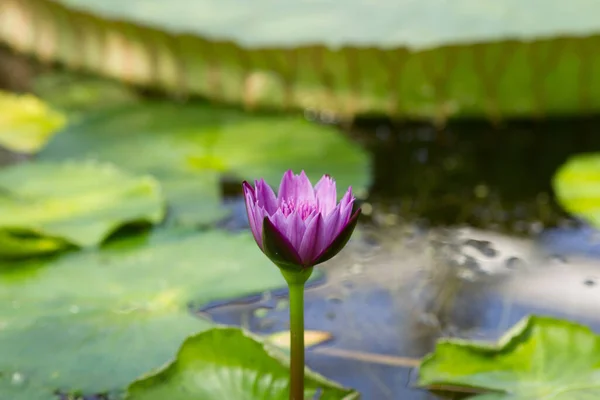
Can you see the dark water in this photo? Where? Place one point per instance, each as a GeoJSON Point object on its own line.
{"type": "Point", "coordinates": [472, 172]}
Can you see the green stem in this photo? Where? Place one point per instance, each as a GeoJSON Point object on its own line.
{"type": "Point", "coordinates": [296, 281]}
{"type": "Point", "coordinates": [297, 341]}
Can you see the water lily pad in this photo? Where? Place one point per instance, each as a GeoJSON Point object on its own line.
{"type": "Point", "coordinates": [76, 93]}
{"type": "Point", "coordinates": [16, 387]}
{"type": "Point", "coordinates": [27, 123]}
{"type": "Point", "coordinates": [431, 59]}
{"type": "Point", "coordinates": [204, 367]}
{"type": "Point", "coordinates": [540, 358]}
{"type": "Point", "coordinates": [94, 321]}
{"type": "Point", "coordinates": [71, 203]}
{"type": "Point", "coordinates": [191, 147]}
{"type": "Point", "coordinates": [577, 187]}
{"type": "Point", "coordinates": [405, 22]}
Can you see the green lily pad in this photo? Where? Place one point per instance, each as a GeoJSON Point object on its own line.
{"type": "Point", "coordinates": [540, 358]}
{"type": "Point", "coordinates": [76, 93]}
{"type": "Point", "coordinates": [71, 203]}
{"type": "Point", "coordinates": [205, 365]}
{"type": "Point", "coordinates": [577, 187]}
{"type": "Point", "coordinates": [93, 321]}
{"type": "Point", "coordinates": [191, 147]}
{"type": "Point", "coordinates": [16, 387]}
{"type": "Point", "coordinates": [27, 123]}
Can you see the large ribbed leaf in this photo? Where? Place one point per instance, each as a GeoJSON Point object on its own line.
{"type": "Point", "coordinates": [405, 59]}
{"type": "Point", "coordinates": [416, 24]}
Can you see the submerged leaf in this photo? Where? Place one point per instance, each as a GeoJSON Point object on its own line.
{"type": "Point", "coordinates": [228, 363]}
{"type": "Point", "coordinates": [48, 206]}
{"type": "Point", "coordinates": [27, 123]}
{"type": "Point", "coordinates": [540, 358]}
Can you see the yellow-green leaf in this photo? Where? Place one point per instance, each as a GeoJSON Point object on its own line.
{"type": "Point", "coordinates": [577, 187]}
{"type": "Point", "coordinates": [27, 123]}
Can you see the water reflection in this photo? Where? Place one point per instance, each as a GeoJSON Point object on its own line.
{"type": "Point", "coordinates": [420, 268]}
{"type": "Point", "coordinates": [391, 295]}
{"type": "Point", "coordinates": [472, 172]}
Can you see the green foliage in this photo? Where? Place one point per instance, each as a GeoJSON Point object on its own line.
{"type": "Point", "coordinates": [430, 59]}
{"type": "Point", "coordinates": [78, 94]}
{"type": "Point", "coordinates": [27, 123]}
{"type": "Point", "coordinates": [577, 187]}
{"type": "Point", "coordinates": [541, 358]}
{"type": "Point", "coordinates": [206, 362]}
{"type": "Point", "coordinates": [48, 206]}
{"type": "Point", "coordinates": [189, 148]}
{"type": "Point", "coordinates": [94, 321]}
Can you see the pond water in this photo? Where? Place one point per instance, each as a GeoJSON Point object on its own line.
{"type": "Point", "coordinates": [461, 238]}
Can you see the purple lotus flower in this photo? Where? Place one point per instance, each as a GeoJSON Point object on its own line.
{"type": "Point", "coordinates": [302, 226]}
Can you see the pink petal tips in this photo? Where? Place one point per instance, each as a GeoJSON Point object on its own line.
{"type": "Point", "coordinates": [302, 225]}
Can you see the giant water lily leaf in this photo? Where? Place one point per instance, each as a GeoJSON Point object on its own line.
{"type": "Point", "coordinates": [71, 203]}
{"type": "Point", "coordinates": [205, 363]}
{"type": "Point", "coordinates": [189, 148]}
{"type": "Point", "coordinates": [94, 321]}
{"type": "Point", "coordinates": [426, 59]}
{"type": "Point", "coordinates": [540, 358]}
{"type": "Point", "coordinates": [577, 187]}
{"type": "Point", "coordinates": [390, 23]}
{"type": "Point", "coordinates": [27, 123]}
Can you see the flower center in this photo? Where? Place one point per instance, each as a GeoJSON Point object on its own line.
{"type": "Point", "coordinates": [302, 208]}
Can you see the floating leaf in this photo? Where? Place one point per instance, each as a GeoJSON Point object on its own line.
{"type": "Point", "coordinates": [227, 363]}
{"type": "Point", "coordinates": [94, 321]}
{"type": "Point", "coordinates": [540, 358]}
{"type": "Point", "coordinates": [15, 386]}
{"type": "Point", "coordinates": [27, 123]}
{"type": "Point", "coordinates": [72, 203]}
{"type": "Point", "coordinates": [339, 27]}
{"type": "Point", "coordinates": [190, 148]}
{"type": "Point", "coordinates": [431, 59]}
{"type": "Point", "coordinates": [311, 338]}
{"type": "Point", "coordinates": [76, 93]}
{"type": "Point", "coordinates": [577, 187]}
